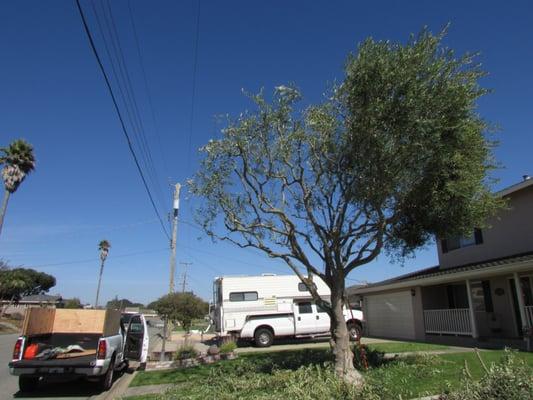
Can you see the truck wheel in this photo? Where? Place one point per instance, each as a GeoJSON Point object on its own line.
{"type": "Point", "coordinates": [107, 380]}
{"type": "Point", "coordinates": [263, 337]}
{"type": "Point", "coordinates": [355, 331]}
{"type": "Point", "coordinates": [28, 383]}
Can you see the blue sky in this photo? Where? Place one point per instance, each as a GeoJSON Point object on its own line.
{"type": "Point", "coordinates": [86, 187]}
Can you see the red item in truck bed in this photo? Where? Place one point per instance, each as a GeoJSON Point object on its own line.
{"type": "Point", "coordinates": [31, 351]}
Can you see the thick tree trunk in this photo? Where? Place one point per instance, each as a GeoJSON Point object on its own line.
{"type": "Point", "coordinates": [340, 342]}
{"type": "Point", "coordinates": [3, 210]}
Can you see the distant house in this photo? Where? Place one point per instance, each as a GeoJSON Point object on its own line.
{"type": "Point", "coordinates": [37, 300]}
{"type": "Point", "coordinates": [482, 289]}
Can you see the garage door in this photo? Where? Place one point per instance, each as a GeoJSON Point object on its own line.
{"type": "Point", "coordinates": [390, 315]}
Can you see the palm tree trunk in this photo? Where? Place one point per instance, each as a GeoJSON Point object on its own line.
{"type": "Point", "coordinates": [99, 282]}
{"type": "Point", "coordinates": [4, 208]}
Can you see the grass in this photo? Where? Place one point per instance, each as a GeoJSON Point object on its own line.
{"type": "Point", "coordinates": [408, 377]}
{"type": "Point", "coordinates": [403, 347]}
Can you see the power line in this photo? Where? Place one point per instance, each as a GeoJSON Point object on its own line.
{"type": "Point", "coordinates": [117, 110]}
{"type": "Point", "coordinates": [123, 68]}
{"type": "Point", "coordinates": [147, 87]}
{"type": "Point", "coordinates": [193, 94]}
{"type": "Point", "coordinates": [93, 259]}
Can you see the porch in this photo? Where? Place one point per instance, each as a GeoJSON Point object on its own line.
{"type": "Point", "coordinates": [496, 307]}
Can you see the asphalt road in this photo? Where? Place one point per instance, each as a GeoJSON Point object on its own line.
{"type": "Point", "coordinates": [75, 390]}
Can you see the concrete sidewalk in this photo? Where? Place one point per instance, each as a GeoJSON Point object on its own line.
{"type": "Point", "coordinates": [148, 389]}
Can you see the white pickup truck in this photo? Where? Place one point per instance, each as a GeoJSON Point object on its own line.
{"type": "Point", "coordinates": [262, 308]}
{"type": "Point", "coordinates": [307, 320]}
{"type": "Point", "coordinates": [89, 344]}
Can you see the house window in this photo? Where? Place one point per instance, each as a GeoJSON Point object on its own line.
{"type": "Point", "coordinates": [482, 296]}
{"type": "Point", "coordinates": [243, 296]}
{"type": "Point", "coordinates": [458, 242]}
{"type": "Point", "coordinates": [305, 308]}
{"type": "Point", "coordinates": [302, 287]}
{"type": "Point", "coordinates": [457, 296]}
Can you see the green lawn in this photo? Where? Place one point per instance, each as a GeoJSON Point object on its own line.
{"type": "Point", "coordinates": [258, 375]}
{"type": "Point", "coordinates": [403, 347]}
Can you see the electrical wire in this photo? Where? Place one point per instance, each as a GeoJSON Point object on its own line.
{"type": "Point", "coordinates": [117, 110]}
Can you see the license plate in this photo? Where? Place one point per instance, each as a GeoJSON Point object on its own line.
{"type": "Point", "coordinates": [52, 370]}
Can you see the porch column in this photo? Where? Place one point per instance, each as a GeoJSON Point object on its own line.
{"type": "Point", "coordinates": [473, 324]}
{"type": "Point", "coordinates": [520, 298]}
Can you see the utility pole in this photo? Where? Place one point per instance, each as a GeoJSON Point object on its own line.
{"type": "Point", "coordinates": [184, 278]}
{"type": "Point", "coordinates": [175, 212]}
{"type": "Point", "coordinates": [176, 207]}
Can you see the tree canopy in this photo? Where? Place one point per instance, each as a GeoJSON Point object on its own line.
{"type": "Point", "coordinates": [395, 155]}
{"type": "Point", "coordinates": [121, 304]}
{"type": "Point", "coordinates": [19, 282]}
{"type": "Point", "coordinates": [181, 307]}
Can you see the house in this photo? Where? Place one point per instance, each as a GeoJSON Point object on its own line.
{"type": "Point", "coordinates": [481, 291]}
{"type": "Point", "coordinates": [36, 300]}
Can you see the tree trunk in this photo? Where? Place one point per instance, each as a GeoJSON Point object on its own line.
{"type": "Point", "coordinates": [340, 342]}
{"type": "Point", "coordinates": [4, 309]}
{"type": "Point", "coordinates": [99, 282]}
{"type": "Point", "coordinates": [4, 208]}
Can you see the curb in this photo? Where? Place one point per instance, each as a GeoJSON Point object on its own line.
{"type": "Point", "coordinates": [118, 389]}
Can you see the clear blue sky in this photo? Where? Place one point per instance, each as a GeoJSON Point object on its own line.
{"type": "Point", "coordinates": [86, 187]}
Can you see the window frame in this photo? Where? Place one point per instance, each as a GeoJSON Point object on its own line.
{"type": "Point", "coordinates": [232, 294]}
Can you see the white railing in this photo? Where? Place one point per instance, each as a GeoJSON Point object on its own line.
{"type": "Point", "coordinates": [529, 315]}
{"type": "Point", "coordinates": [448, 321]}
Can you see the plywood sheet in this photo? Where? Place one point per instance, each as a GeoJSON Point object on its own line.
{"type": "Point", "coordinates": [76, 354]}
{"type": "Point", "coordinates": [38, 321]}
{"type": "Point", "coordinates": [112, 322]}
{"type": "Point", "coordinates": [79, 321]}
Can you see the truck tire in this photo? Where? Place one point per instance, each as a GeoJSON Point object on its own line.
{"type": "Point", "coordinates": [28, 383]}
{"type": "Point", "coordinates": [106, 381]}
{"type": "Point", "coordinates": [263, 337]}
{"type": "Point", "coordinates": [355, 331]}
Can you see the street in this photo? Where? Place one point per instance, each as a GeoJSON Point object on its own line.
{"type": "Point", "coordinates": [74, 390]}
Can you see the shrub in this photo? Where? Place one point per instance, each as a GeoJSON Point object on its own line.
{"type": "Point", "coordinates": [186, 351]}
{"type": "Point", "coordinates": [228, 347]}
{"type": "Point", "coordinates": [510, 379]}
{"type": "Point", "coordinates": [364, 357]}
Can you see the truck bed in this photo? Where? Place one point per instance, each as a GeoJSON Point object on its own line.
{"type": "Point", "coordinates": [87, 361]}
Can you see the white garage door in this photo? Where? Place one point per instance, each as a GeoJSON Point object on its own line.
{"type": "Point", "coordinates": [390, 315]}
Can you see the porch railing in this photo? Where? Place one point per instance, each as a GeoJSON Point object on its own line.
{"type": "Point", "coordinates": [529, 315]}
{"type": "Point", "coordinates": [448, 321]}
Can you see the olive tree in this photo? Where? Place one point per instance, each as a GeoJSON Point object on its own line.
{"type": "Point", "coordinates": [396, 155]}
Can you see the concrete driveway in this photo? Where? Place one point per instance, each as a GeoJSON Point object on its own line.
{"type": "Point", "coordinates": [75, 390]}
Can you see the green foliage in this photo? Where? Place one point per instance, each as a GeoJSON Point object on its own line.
{"type": "Point", "coordinates": [366, 357]}
{"type": "Point", "coordinates": [510, 379]}
{"type": "Point", "coordinates": [73, 303]}
{"type": "Point", "coordinates": [228, 347]}
{"type": "Point", "coordinates": [103, 247]}
{"type": "Point", "coordinates": [18, 161]}
{"type": "Point", "coordinates": [396, 155]}
{"type": "Point", "coordinates": [121, 304]}
{"type": "Point", "coordinates": [416, 145]}
{"type": "Point", "coordinates": [186, 351]}
{"type": "Point", "coordinates": [18, 282]}
{"type": "Point", "coordinates": [181, 307]}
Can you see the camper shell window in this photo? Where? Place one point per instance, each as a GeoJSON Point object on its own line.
{"type": "Point", "coordinates": [243, 296]}
{"type": "Point", "coordinates": [302, 287]}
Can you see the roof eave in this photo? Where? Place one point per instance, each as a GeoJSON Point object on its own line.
{"type": "Point", "coordinates": [451, 277]}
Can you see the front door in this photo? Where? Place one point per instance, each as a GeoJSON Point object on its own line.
{"type": "Point", "coordinates": [305, 322]}
{"type": "Point", "coordinates": [137, 337]}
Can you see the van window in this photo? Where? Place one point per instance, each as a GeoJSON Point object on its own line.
{"type": "Point", "coordinates": [305, 308]}
{"type": "Point", "coordinates": [243, 296]}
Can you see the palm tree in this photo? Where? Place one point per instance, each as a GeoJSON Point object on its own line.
{"type": "Point", "coordinates": [18, 161]}
{"type": "Point", "coordinates": [104, 247]}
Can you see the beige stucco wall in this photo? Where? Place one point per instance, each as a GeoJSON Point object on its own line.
{"type": "Point", "coordinates": [510, 232]}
